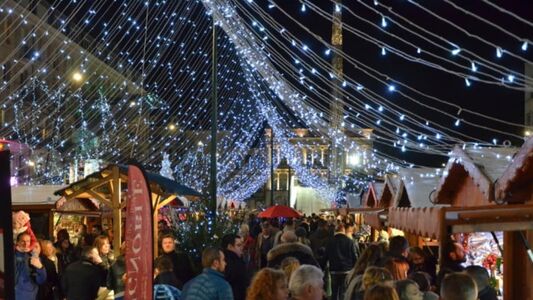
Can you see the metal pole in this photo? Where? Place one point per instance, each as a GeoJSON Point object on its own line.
{"type": "Point", "coordinates": [271, 166]}
{"type": "Point", "coordinates": [214, 104]}
{"type": "Point", "coordinates": [289, 188]}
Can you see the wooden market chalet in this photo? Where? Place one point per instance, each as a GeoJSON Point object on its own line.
{"type": "Point", "coordinates": [479, 190]}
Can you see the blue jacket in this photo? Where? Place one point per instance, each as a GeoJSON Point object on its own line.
{"type": "Point", "coordinates": [210, 285]}
{"type": "Point", "coordinates": [27, 277]}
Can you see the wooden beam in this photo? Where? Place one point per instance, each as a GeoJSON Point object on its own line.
{"type": "Point", "coordinates": [487, 227]}
{"type": "Point", "coordinates": [117, 210]}
{"type": "Point", "coordinates": [100, 197]}
{"type": "Point", "coordinates": [161, 203]}
{"type": "Point", "coordinates": [84, 189]}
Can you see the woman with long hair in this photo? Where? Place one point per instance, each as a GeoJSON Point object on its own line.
{"type": "Point", "coordinates": [268, 284]}
{"type": "Point", "coordinates": [289, 265]}
{"type": "Point", "coordinates": [66, 253]}
{"type": "Point", "coordinates": [370, 257]}
{"type": "Point", "coordinates": [101, 243]}
{"type": "Point", "coordinates": [49, 290]}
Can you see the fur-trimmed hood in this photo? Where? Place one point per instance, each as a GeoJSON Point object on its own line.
{"type": "Point", "coordinates": [288, 248]}
{"type": "Point", "coordinates": [300, 251]}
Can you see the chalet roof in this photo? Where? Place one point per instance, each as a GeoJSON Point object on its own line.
{"type": "Point", "coordinates": [492, 161]}
{"type": "Point", "coordinates": [375, 190]}
{"type": "Point", "coordinates": [419, 183]}
{"type": "Point", "coordinates": [34, 194]}
{"type": "Point", "coordinates": [516, 183]}
{"type": "Point", "coordinates": [484, 165]}
{"type": "Point", "coordinates": [393, 182]}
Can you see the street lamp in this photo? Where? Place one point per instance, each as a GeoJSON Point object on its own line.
{"type": "Point", "coordinates": [77, 76]}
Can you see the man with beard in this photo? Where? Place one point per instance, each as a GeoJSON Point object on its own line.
{"type": "Point", "coordinates": [453, 258]}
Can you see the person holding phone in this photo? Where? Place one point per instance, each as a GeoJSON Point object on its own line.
{"type": "Point", "coordinates": [29, 271]}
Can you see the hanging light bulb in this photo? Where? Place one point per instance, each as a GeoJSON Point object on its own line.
{"type": "Point", "coordinates": [456, 51]}
{"type": "Point", "coordinates": [303, 7]}
{"type": "Point", "coordinates": [499, 52]}
{"type": "Point", "coordinates": [474, 67]}
{"type": "Point", "coordinates": [524, 46]}
{"type": "Point", "coordinates": [383, 52]}
{"type": "Point", "coordinates": [467, 82]}
{"type": "Point", "coordinates": [383, 22]}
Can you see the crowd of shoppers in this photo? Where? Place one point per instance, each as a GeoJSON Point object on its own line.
{"type": "Point", "coordinates": [311, 258]}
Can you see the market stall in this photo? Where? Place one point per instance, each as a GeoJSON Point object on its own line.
{"type": "Point", "coordinates": [376, 215]}
{"type": "Point", "coordinates": [373, 194]}
{"type": "Point", "coordinates": [415, 189]}
{"type": "Point", "coordinates": [516, 186]}
{"type": "Point", "coordinates": [106, 187]}
{"type": "Point", "coordinates": [467, 186]}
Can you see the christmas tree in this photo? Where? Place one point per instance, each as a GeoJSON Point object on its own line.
{"type": "Point", "coordinates": [196, 228]}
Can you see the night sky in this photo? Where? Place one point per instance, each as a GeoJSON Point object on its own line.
{"type": "Point", "coordinates": [492, 100]}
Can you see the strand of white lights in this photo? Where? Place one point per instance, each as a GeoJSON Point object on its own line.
{"type": "Point", "coordinates": [457, 51]}
{"type": "Point", "coordinates": [347, 96]}
{"type": "Point", "coordinates": [294, 159]}
{"type": "Point", "coordinates": [454, 117]}
{"type": "Point", "coordinates": [496, 80]}
{"type": "Point", "coordinates": [358, 65]}
{"type": "Point", "coordinates": [46, 41]}
{"type": "Point", "coordinates": [375, 163]}
{"type": "Point", "coordinates": [520, 39]}
{"type": "Point", "coordinates": [517, 77]}
{"type": "Point", "coordinates": [287, 150]}
{"type": "Point", "coordinates": [508, 76]}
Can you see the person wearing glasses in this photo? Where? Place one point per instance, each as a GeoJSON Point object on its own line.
{"type": "Point", "coordinates": [236, 271]}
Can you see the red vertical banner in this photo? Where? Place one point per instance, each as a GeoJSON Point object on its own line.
{"type": "Point", "coordinates": [139, 248]}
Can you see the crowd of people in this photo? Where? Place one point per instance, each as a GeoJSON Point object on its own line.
{"type": "Point", "coordinates": [309, 258]}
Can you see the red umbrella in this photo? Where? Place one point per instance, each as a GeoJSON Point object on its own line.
{"type": "Point", "coordinates": [279, 211]}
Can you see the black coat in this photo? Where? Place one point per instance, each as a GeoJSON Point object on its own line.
{"type": "Point", "coordinates": [236, 274]}
{"type": "Point", "coordinates": [487, 293]}
{"type": "Point", "coordinates": [82, 279]}
{"type": "Point", "coordinates": [319, 239]}
{"type": "Point", "coordinates": [447, 268]}
{"type": "Point", "coordinates": [50, 289]}
{"type": "Point", "coordinates": [114, 278]}
{"type": "Point", "coordinates": [302, 252]}
{"type": "Point", "coordinates": [340, 252]}
{"type": "Point", "coordinates": [181, 265]}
